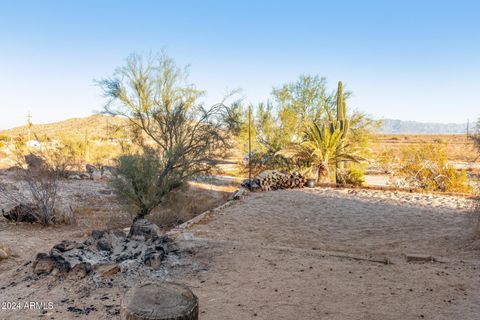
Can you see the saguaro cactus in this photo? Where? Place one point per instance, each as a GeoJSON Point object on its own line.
{"type": "Point", "coordinates": [341, 110]}
{"type": "Point", "coordinates": [342, 122]}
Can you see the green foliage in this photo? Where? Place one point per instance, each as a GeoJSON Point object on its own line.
{"type": "Point", "coordinates": [101, 153]}
{"type": "Point", "coordinates": [426, 168]}
{"type": "Point", "coordinates": [321, 148]}
{"type": "Point", "coordinates": [306, 98]}
{"type": "Point", "coordinates": [73, 149]}
{"type": "Point", "coordinates": [281, 123]}
{"type": "Point", "coordinates": [361, 131]}
{"type": "Point", "coordinates": [77, 151]}
{"type": "Point", "coordinates": [354, 175]}
{"type": "Point", "coordinates": [143, 180]}
{"type": "Point", "coordinates": [184, 136]}
{"type": "Point", "coordinates": [20, 144]}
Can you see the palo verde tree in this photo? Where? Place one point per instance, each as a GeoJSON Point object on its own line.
{"type": "Point", "coordinates": [182, 136]}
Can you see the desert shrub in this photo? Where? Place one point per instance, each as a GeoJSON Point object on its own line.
{"type": "Point", "coordinates": [78, 151]}
{"type": "Point", "coordinates": [41, 176]}
{"type": "Point", "coordinates": [355, 174]}
{"type": "Point", "coordinates": [20, 144]}
{"type": "Point", "coordinates": [102, 153]}
{"type": "Point", "coordinates": [387, 160]}
{"type": "Point", "coordinates": [426, 168]}
{"type": "Point", "coordinates": [4, 138]}
{"type": "Point", "coordinates": [72, 150]}
{"type": "Point", "coordinates": [143, 181]}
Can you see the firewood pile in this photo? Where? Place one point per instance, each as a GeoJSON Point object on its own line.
{"type": "Point", "coordinates": [274, 180]}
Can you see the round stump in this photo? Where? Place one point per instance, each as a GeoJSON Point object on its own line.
{"type": "Point", "coordinates": [159, 301]}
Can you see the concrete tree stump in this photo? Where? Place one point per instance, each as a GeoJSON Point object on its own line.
{"type": "Point", "coordinates": [159, 301]}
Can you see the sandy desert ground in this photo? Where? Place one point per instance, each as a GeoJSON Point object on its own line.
{"type": "Point", "coordinates": [291, 254]}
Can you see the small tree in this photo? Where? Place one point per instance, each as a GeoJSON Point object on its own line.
{"type": "Point", "coordinates": [182, 136]}
{"type": "Point", "coordinates": [143, 181]}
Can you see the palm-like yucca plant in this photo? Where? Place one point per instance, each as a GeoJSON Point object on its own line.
{"type": "Point", "coordinates": [321, 148]}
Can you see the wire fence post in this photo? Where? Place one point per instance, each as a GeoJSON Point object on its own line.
{"type": "Point", "coordinates": [249, 145]}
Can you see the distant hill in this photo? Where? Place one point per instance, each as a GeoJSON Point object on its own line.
{"type": "Point", "coordinates": [98, 126]}
{"type": "Point", "coordinates": [391, 126]}
{"type": "Point", "coordinates": [101, 126]}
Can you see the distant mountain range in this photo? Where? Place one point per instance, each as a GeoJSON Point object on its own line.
{"type": "Point", "coordinates": [99, 126]}
{"type": "Point", "coordinates": [391, 126]}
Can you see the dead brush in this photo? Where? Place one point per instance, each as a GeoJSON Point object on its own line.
{"type": "Point", "coordinates": [41, 175]}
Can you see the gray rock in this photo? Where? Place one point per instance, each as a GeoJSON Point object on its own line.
{"type": "Point", "coordinates": [104, 244]}
{"type": "Point", "coordinates": [90, 168]}
{"type": "Point", "coordinates": [239, 194]}
{"type": "Point", "coordinates": [153, 258]}
{"type": "Point", "coordinates": [43, 264]}
{"type": "Point", "coordinates": [144, 230]}
{"type": "Point", "coordinates": [66, 245]}
{"type": "Point", "coordinates": [109, 171]}
{"type": "Point", "coordinates": [107, 270]}
{"type": "Point", "coordinates": [81, 270]}
{"type": "Point", "coordinates": [107, 175]}
{"type": "Point", "coordinates": [96, 175]}
{"type": "Point", "coordinates": [97, 234]}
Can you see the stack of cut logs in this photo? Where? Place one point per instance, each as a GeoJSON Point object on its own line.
{"type": "Point", "coordinates": [273, 180]}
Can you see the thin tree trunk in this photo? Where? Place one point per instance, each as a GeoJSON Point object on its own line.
{"type": "Point", "coordinates": [323, 173]}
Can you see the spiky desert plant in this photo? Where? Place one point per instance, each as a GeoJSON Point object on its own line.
{"type": "Point", "coordinates": [321, 148]}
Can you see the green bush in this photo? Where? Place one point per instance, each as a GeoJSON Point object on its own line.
{"type": "Point", "coordinates": [355, 175]}
{"type": "Point", "coordinates": [142, 182]}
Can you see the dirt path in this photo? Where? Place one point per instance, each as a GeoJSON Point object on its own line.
{"type": "Point", "coordinates": [278, 255]}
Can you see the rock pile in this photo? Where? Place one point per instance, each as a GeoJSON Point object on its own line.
{"type": "Point", "coordinates": [106, 252]}
{"type": "Point", "coordinates": [93, 173]}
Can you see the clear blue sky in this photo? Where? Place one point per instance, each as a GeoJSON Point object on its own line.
{"type": "Point", "coordinates": [411, 60]}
